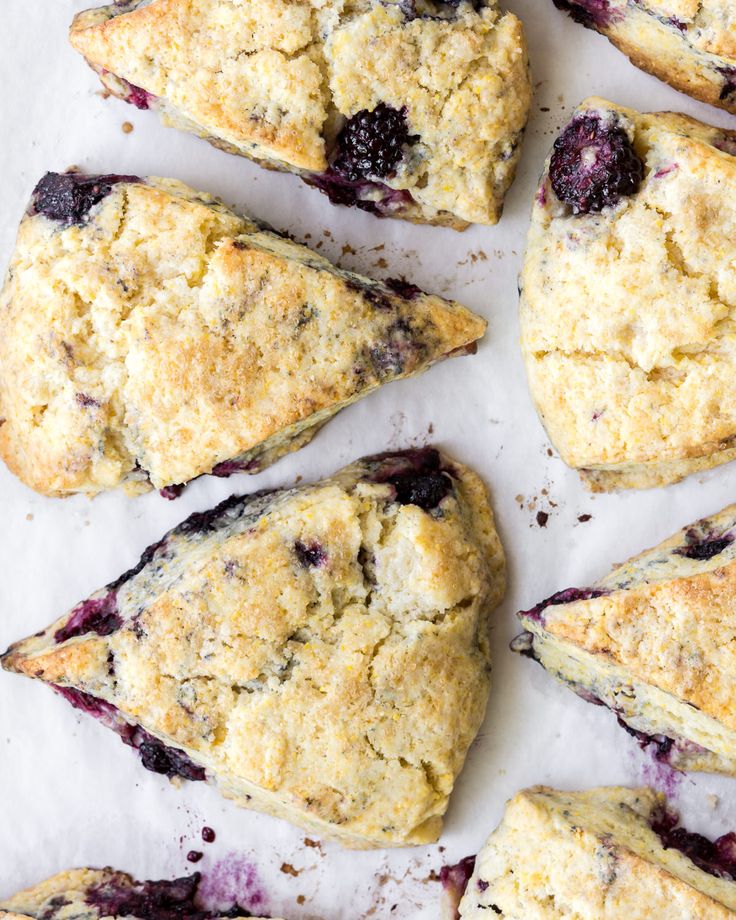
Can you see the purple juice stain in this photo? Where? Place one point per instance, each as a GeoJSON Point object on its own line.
{"type": "Point", "coordinates": [454, 879]}
{"type": "Point", "coordinates": [566, 596]}
{"type": "Point", "coordinates": [702, 548]}
{"type": "Point", "coordinates": [310, 554]}
{"type": "Point", "coordinates": [98, 615]}
{"type": "Point", "coordinates": [194, 856]}
{"type": "Point", "coordinates": [208, 835]}
{"type": "Point", "coordinates": [155, 755]}
{"type": "Point", "coordinates": [417, 476]}
{"type": "Point", "coordinates": [233, 879]}
{"type": "Point", "coordinates": [68, 197]}
{"type": "Point", "coordinates": [155, 900]}
{"type": "Point", "coordinates": [171, 493]}
{"type": "Point", "coordinates": [716, 857]}
{"type": "Point", "coordinates": [594, 164]}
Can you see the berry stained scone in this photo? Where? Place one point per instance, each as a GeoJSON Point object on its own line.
{"type": "Point", "coordinates": [91, 894]}
{"type": "Point", "coordinates": [605, 854]}
{"type": "Point", "coordinates": [411, 109]}
{"type": "Point", "coordinates": [149, 335]}
{"type": "Point", "coordinates": [655, 641]}
{"type": "Point", "coordinates": [628, 295]}
{"type": "Point", "coordinates": [319, 653]}
{"type": "Point", "coordinates": [690, 44]}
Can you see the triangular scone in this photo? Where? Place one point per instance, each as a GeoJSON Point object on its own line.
{"type": "Point", "coordinates": [605, 854]}
{"type": "Point", "coordinates": [149, 335]}
{"type": "Point", "coordinates": [690, 44]}
{"type": "Point", "coordinates": [411, 109]}
{"type": "Point", "coordinates": [319, 653]}
{"type": "Point", "coordinates": [91, 894]}
{"type": "Point", "coordinates": [628, 288]}
{"type": "Point", "coordinates": [655, 641]}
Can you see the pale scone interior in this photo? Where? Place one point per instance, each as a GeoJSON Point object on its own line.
{"type": "Point", "coordinates": [603, 854]}
{"type": "Point", "coordinates": [319, 653]}
{"type": "Point", "coordinates": [410, 109]}
{"type": "Point", "coordinates": [628, 293]}
{"type": "Point", "coordinates": [652, 641]}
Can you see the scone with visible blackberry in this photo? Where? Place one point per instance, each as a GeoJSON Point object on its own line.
{"type": "Point", "coordinates": [411, 109]}
{"type": "Point", "coordinates": [655, 641]}
{"type": "Point", "coordinates": [604, 854]}
{"type": "Point", "coordinates": [319, 653]}
{"type": "Point", "coordinates": [628, 292]}
{"type": "Point", "coordinates": [690, 44]}
{"type": "Point", "coordinates": [91, 894]}
{"type": "Point", "coordinates": [149, 335]}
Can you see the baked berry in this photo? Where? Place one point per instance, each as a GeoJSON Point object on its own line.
{"type": "Point", "coordinates": [704, 548]}
{"type": "Point", "coordinates": [566, 596]}
{"type": "Point", "coordinates": [594, 164]}
{"type": "Point", "coordinates": [99, 615]}
{"type": "Point", "coordinates": [371, 144]}
{"type": "Point", "coordinates": [158, 758]}
{"type": "Point", "coordinates": [310, 554]}
{"type": "Point", "coordinates": [403, 288]}
{"type": "Point", "coordinates": [717, 857]}
{"type": "Point", "coordinates": [68, 197]}
{"type": "Point", "coordinates": [588, 12]}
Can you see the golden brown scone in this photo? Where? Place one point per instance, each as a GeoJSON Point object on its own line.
{"type": "Point", "coordinates": [629, 286]}
{"type": "Point", "coordinates": [655, 641]}
{"type": "Point", "coordinates": [690, 44]}
{"type": "Point", "coordinates": [149, 335]}
{"type": "Point", "coordinates": [605, 854]}
{"type": "Point", "coordinates": [319, 653]}
{"type": "Point", "coordinates": [411, 109]}
{"type": "Point", "coordinates": [91, 894]}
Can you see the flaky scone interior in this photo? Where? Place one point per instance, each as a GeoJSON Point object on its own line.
{"type": "Point", "coordinates": [406, 108]}
{"type": "Point", "coordinates": [628, 296]}
{"type": "Point", "coordinates": [318, 653]}
{"type": "Point", "coordinates": [655, 642]}
{"type": "Point", "coordinates": [91, 894]}
{"type": "Point", "coordinates": [604, 854]}
{"type": "Point", "coordinates": [149, 335]}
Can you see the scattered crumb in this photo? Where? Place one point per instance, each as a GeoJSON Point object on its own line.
{"type": "Point", "coordinates": [347, 250]}
{"type": "Point", "coordinates": [549, 451]}
{"type": "Point", "coordinates": [307, 236]}
{"type": "Point", "coordinates": [103, 93]}
{"type": "Point", "coordinates": [379, 248]}
{"type": "Point", "coordinates": [381, 263]}
{"type": "Point", "coordinates": [712, 800]}
{"type": "Point", "coordinates": [544, 108]}
{"type": "Point", "coordinates": [584, 518]}
{"type": "Point", "coordinates": [519, 499]}
{"type": "Point", "coordinates": [29, 517]}
{"type": "Point", "coordinates": [127, 127]}
{"type": "Point", "coordinates": [300, 899]}
{"type": "Point", "coordinates": [327, 233]}
{"type": "Point", "coordinates": [288, 869]}
{"type": "Point", "coordinates": [298, 478]}
{"type": "Point", "coordinates": [542, 518]}
{"type": "Point", "coordinates": [430, 430]}
{"type": "Point", "coordinates": [312, 843]}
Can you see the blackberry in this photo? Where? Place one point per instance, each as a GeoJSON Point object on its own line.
{"type": "Point", "coordinates": [703, 548]}
{"type": "Point", "coordinates": [594, 164]}
{"type": "Point", "coordinates": [716, 857]}
{"type": "Point", "coordinates": [158, 758]}
{"type": "Point", "coordinates": [371, 143]}
{"type": "Point", "coordinates": [68, 197]}
{"type": "Point", "coordinates": [99, 615]}
{"type": "Point", "coordinates": [587, 12]}
{"type": "Point", "coordinates": [310, 554]}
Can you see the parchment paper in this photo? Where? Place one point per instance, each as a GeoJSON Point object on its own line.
{"type": "Point", "coordinates": [70, 793]}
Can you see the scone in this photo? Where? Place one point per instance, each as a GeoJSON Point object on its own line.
{"type": "Point", "coordinates": [604, 854]}
{"type": "Point", "coordinates": [628, 288]}
{"type": "Point", "coordinates": [405, 108]}
{"type": "Point", "coordinates": [690, 44]}
{"type": "Point", "coordinates": [655, 641]}
{"type": "Point", "coordinates": [319, 653]}
{"type": "Point", "coordinates": [91, 894]}
{"type": "Point", "coordinates": [149, 335]}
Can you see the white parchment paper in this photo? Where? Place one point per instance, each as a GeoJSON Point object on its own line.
{"type": "Point", "coordinates": [70, 793]}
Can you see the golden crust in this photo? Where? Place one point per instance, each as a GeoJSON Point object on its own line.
{"type": "Point", "coordinates": [275, 82]}
{"type": "Point", "coordinates": [658, 645]}
{"type": "Point", "coordinates": [167, 335]}
{"type": "Point", "coordinates": [341, 693]}
{"type": "Point", "coordinates": [626, 315]}
{"type": "Point", "coordinates": [593, 853]}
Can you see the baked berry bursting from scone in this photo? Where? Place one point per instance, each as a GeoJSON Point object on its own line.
{"type": "Point", "coordinates": [371, 144]}
{"type": "Point", "coordinates": [594, 164]}
{"type": "Point", "coordinates": [588, 12]}
{"type": "Point", "coordinates": [69, 197]}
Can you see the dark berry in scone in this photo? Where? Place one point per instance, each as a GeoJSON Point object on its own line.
{"type": "Point", "coordinates": [408, 108]}
{"type": "Point", "coordinates": [149, 335]}
{"type": "Point", "coordinates": [626, 293]}
{"type": "Point", "coordinates": [91, 894]}
{"type": "Point", "coordinates": [604, 854]}
{"type": "Point", "coordinates": [689, 44]}
{"type": "Point", "coordinates": [651, 641]}
{"type": "Point", "coordinates": [319, 653]}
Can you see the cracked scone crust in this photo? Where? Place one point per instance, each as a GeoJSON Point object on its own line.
{"type": "Point", "coordinates": [320, 654]}
{"type": "Point", "coordinates": [690, 44]}
{"type": "Point", "coordinates": [91, 894]}
{"type": "Point", "coordinates": [655, 641]}
{"type": "Point", "coordinates": [627, 313]}
{"type": "Point", "coordinates": [277, 82]}
{"type": "Point", "coordinates": [594, 855]}
{"type": "Point", "coordinates": [149, 335]}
